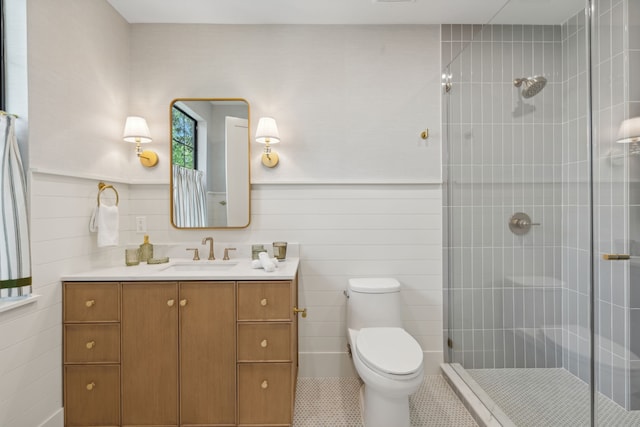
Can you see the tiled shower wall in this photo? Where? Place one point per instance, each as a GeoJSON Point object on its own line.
{"type": "Point", "coordinates": [505, 157]}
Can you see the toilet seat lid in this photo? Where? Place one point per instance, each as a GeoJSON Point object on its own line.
{"type": "Point", "coordinates": [389, 350]}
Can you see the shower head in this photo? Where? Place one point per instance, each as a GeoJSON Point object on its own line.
{"type": "Point", "coordinates": [532, 85]}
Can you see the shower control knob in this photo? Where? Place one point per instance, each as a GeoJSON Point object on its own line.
{"type": "Point", "coordinates": [520, 223]}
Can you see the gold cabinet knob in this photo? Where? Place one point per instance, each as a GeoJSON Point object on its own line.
{"type": "Point", "coordinates": [264, 384]}
{"type": "Point", "coordinates": [183, 302]}
{"type": "Point", "coordinates": [90, 303]}
{"type": "Point", "coordinates": [91, 386]}
{"type": "Point", "coordinates": [297, 310]}
{"type": "Point", "coordinates": [264, 344]}
{"type": "Point", "coordinates": [90, 345]}
{"type": "Point", "coordinates": [171, 302]}
{"type": "Point", "coordinates": [264, 302]}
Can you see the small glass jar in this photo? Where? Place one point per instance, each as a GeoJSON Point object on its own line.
{"type": "Point", "coordinates": [255, 251]}
{"type": "Point", "coordinates": [280, 250]}
{"type": "Point", "coordinates": [132, 256]}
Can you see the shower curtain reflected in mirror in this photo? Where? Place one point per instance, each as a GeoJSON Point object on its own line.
{"type": "Point", "coordinates": [189, 197]}
{"type": "Point", "coordinates": [15, 257]}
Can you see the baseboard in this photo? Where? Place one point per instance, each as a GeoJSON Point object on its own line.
{"type": "Point", "coordinates": [323, 365]}
{"type": "Point", "coordinates": [319, 365]}
{"type": "Point", "coordinates": [55, 420]}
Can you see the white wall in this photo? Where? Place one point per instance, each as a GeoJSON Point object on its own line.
{"type": "Point", "coordinates": [78, 88]}
{"type": "Point", "coordinates": [76, 52]}
{"type": "Point", "coordinates": [350, 101]}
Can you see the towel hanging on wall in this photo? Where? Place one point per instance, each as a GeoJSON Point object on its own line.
{"type": "Point", "coordinates": [15, 253]}
{"type": "Point", "coordinates": [105, 219]}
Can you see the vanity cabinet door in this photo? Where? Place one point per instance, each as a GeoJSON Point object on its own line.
{"type": "Point", "coordinates": [91, 302]}
{"type": "Point", "coordinates": [150, 353]}
{"type": "Point", "coordinates": [264, 301]}
{"type": "Point", "coordinates": [92, 395]}
{"type": "Point", "coordinates": [264, 393]}
{"type": "Point", "coordinates": [92, 343]}
{"type": "Point", "coordinates": [264, 342]}
{"type": "Point", "coordinates": [207, 353]}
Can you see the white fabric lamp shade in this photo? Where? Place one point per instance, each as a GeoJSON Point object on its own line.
{"type": "Point", "coordinates": [629, 131]}
{"type": "Point", "coordinates": [136, 130]}
{"type": "Point", "coordinates": [267, 131]}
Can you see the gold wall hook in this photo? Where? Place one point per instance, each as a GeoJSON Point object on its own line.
{"type": "Point", "coordinates": [425, 134]}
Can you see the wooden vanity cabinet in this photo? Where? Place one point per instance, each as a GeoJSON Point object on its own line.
{"type": "Point", "coordinates": [191, 353]}
{"type": "Point", "coordinates": [91, 355]}
{"type": "Point", "coordinates": [267, 352]}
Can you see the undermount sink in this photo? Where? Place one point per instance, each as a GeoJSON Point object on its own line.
{"type": "Point", "coordinates": [200, 266]}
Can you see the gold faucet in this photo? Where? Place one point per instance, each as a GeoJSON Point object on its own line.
{"type": "Point", "coordinates": [226, 253]}
{"type": "Point", "coordinates": [196, 255]}
{"type": "Point", "coordinates": [210, 240]}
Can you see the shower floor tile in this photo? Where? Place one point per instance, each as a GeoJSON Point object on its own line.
{"type": "Point", "coordinates": [334, 402]}
{"type": "Point", "coordinates": [550, 397]}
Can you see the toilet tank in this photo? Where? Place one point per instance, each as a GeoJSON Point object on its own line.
{"type": "Point", "coordinates": [373, 302]}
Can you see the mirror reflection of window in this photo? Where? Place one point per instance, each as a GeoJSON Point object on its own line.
{"type": "Point", "coordinates": [184, 137]}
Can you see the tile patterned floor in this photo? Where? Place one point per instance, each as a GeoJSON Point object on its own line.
{"type": "Point", "coordinates": [548, 398]}
{"type": "Point", "coordinates": [334, 402]}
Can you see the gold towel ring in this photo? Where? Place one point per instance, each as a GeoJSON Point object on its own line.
{"type": "Point", "coordinates": [102, 186]}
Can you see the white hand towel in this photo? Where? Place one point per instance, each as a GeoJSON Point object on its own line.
{"type": "Point", "coordinates": [107, 220]}
{"type": "Point", "coordinates": [268, 265]}
{"type": "Point", "coordinates": [93, 225]}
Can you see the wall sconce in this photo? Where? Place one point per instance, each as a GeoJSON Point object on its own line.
{"type": "Point", "coordinates": [629, 131]}
{"type": "Point", "coordinates": [267, 133]}
{"type": "Point", "coordinates": [136, 130]}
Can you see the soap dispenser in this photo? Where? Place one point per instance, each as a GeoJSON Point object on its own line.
{"type": "Point", "coordinates": [146, 250]}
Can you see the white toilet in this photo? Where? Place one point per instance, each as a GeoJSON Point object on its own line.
{"type": "Point", "coordinates": [387, 358]}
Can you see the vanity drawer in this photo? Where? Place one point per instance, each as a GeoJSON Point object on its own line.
{"type": "Point", "coordinates": [91, 302]}
{"type": "Point", "coordinates": [264, 342]}
{"type": "Point", "coordinates": [92, 343]}
{"type": "Point", "coordinates": [264, 393]}
{"type": "Point", "coordinates": [92, 395]}
{"type": "Point", "coordinates": [264, 301]}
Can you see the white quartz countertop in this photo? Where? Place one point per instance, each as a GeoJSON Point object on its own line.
{"type": "Point", "coordinates": [186, 269]}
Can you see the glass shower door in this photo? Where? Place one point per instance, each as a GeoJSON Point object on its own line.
{"type": "Point", "coordinates": [616, 169]}
{"type": "Point", "coordinates": [518, 212]}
